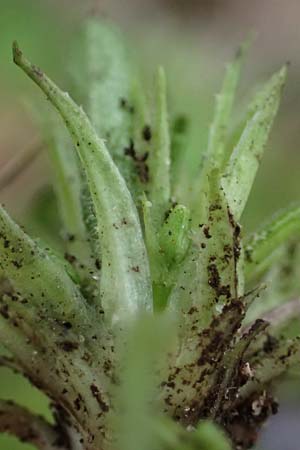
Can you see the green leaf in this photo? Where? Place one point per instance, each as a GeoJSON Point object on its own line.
{"type": "Point", "coordinates": [40, 276]}
{"type": "Point", "coordinates": [142, 139]}
{"type": "Point", "coordinates": [197, 364]}
{"type": "Point", "coordinates": [218, 133]}
{"type": "Point", "coordinates": [216, 155]}
{"type": "Point", "coordinates": [174, 235]}
{"type": "Point", "coordinates": [244, 162]}
{"type": "Point", "coordinates": [68, 185]}
{"type": "Point", "coordinates": [166, 248]}
{"type": "Point", "coordinates": [141, 123]}
{"type": "Point", "coordinates": [211, 273]}
{"type": "Point", "coordinates": [269, 366]}
{"type": "Point", "coordinates": [281, 320]}
{"type": "Point", "coordinates": [282, 280]}
{"type": "Point", "coordinates": [160, 272]}
{"type": "Point", "coordinates": [179, 142]}
{"type": "Point", "coordinates": [101, 74]}
{"type": "Point", "coordinates": [152, 241]}
{"type": "Point", "coordinates": [261, 248]}
{"type": "Point", "coordinates": [159, 157]}
{"type": "Point", "coordinates": [125, 281]}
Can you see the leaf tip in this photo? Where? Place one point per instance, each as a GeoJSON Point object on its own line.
{"type": "Point", "coordinates": [17, 54]}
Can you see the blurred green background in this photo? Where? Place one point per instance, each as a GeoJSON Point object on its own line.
{"type": "Point", "coordinates": [193, 40]}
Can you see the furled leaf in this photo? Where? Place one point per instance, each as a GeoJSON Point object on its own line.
{"type": "Point", "coordinates": [125, 281]}
{"type": "Point", "coordinates": [166, 248]}
{"type": "Point", "coordinates": [174, 239]}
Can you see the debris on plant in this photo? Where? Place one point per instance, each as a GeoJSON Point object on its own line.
{"type": "Point", "coordinates": [152, 328]}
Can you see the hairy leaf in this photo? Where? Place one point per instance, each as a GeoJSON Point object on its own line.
{"type": "Point", "coordinates": [125, 282]}
{"type": "Point", "coordinates": [40, 276]}
{"type": "Point", "coordinates": [219, 128]}
{"type": "Point", "coordinates": [101, 75]}
{"type": "Point", "coordinates": [244, 162]}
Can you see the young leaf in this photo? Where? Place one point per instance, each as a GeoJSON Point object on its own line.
{"type": "Point", "coordinates": [214, 157]}
{"type": "Point", "coordinates": [179, 142]}
{"type": "Point", "coordinates": [68, 188]}
{"type": "Point", "coordinates": [142, 139]}
{"type": "Point", "coordinates": [244, 162]}
{"type": "Point", "coordinates": [218, 133]}
{"type": "Point", "coordinates": [125, 281]}
{"type": "Point", "coordinates": [159, 157]}
{"type": "Point", "coordinates": [141, 122]}
{"type": "Point", "coordinates": [173, 237]}
{"type": "Point", "coordinates": [260, 249]}
{"type": "Point", "coordinates": [166, 248]}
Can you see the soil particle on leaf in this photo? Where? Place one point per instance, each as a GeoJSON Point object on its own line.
{"type": "Point", "coordinates": [206, 232]}
{"type": "Point", "coordinates": [97, 395]}
{"type": "Point", "coordinates": [141, 166]}
{"type": "Point", "coordinates": [125, 106]}
{"type": "Point", "coordinates": [147, 133]}
{"type": "Point", "coordinates": [69, 346]}
{"type": "Point", "coordinates": [70, 258]}
{"type": "Point", "coordinates": [214, 281]}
